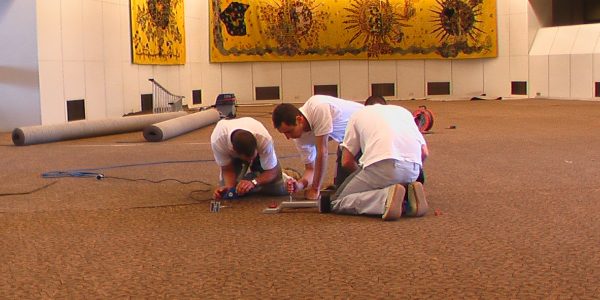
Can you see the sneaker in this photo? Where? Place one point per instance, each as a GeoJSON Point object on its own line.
{"type": "Point", "coordinates": [325, 203]}
{"type": "Point", "coordinates": [416, 203]}
{"type": "Point", "coordinates": [393, 203]}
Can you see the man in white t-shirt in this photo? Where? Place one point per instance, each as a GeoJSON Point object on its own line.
{"type": "Point", "coordinates": [242, 145]}
{"type": "Point", "coordinates": [320, 119]}
{"type": "Point", "coordinates": [393, 151]}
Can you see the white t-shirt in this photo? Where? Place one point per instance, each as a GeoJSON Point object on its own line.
{"type": "Point", "coordinates": [326, 115]}
{"type": "Point", "coordinates": [222, 147]}
{"type": "Point", "coordinates": [384, 132]}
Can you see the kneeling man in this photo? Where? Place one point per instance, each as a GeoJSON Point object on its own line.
{"type": "Point", "coordinates": [244, 150]}
{"type": "Point", "coordinates": [393, 151]}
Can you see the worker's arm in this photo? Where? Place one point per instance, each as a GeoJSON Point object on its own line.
{"type": "Point", "coordinates": [294, 185]}
{"type": "Point", "coordinates": [424, 152]}
{"type": "Point", "coordinates": [229, 181]}
{"type": "Point", "coordinates": [312, 192]}
{"type": "Point", "coordinates": [348, 160]}
{"type": "Point", "coordinates": [266, 177]}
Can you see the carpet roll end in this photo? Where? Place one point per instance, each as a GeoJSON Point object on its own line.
{"type": "Point", "coordinates": [153, 134]}
{"type": "Point", "coordinates": [18, 137]}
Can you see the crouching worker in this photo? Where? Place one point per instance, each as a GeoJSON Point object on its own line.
{"type": "Point", "coordinates": [321, 119]}
{"type": "Point", "coordinates": [244, 150]}
{"type": "Point", "coordinates": [393, 151]}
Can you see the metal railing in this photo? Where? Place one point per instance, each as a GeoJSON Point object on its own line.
{"type": "Point", "coordinates": [163, 100]}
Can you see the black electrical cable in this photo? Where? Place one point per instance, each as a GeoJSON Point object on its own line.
{"type": "Point", "coordinates": [89, 172]}
{"type": "Point", "coordinates": [139, 165]}
{"type": "Point", "coordinates": [102, 176]}
{"type": "Point", "coordinates": [162, 206]}
{"type": "Point", "coordinates": [191, 195]}
{"type": "Point", "coordinates": [28, 192]}
{"type": "Point", "coordinates": [86, 173]}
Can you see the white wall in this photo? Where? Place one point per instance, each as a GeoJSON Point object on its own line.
{"type": "Point", "coordinates": [582, 62]}
{"type": "Point", "coordinates": [19, 84]}
{"type": "Point", "coordinates": [564, 63]}
{"type": "Point", "coordinates": [538, 63]}
{"type": "Point", "coordinates": [84, 53]}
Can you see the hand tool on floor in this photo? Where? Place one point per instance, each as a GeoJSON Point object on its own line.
{"type": "Point", "coordinates": [290, 204]}
{"type": "Point", "coordinates": [287, 204]}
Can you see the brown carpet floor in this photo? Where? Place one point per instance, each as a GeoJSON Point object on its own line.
{"type": "Point", "coordinates": [517, 185]}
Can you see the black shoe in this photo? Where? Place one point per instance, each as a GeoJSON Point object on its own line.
{"type": "Point", "coordinates": [421, 177]}
{"type": "Point", "coordinates": [325, 204]}
{"type": "Point", "coordinates": [331, 188]}
{"type": "Point", "coordinates": [328, 191]}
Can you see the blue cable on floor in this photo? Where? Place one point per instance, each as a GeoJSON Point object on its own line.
{"type": "Point", "coordinates": [89, 172]}
{"type": "Point", "coordinates": [83, 173]}
{"type": "Point", "coordinates": [59, 174]}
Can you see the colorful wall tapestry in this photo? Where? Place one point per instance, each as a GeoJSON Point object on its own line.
{"type": "Point", "coordinates": [157, 32]}
{"type": "Point", "coordinates": [290, 30]}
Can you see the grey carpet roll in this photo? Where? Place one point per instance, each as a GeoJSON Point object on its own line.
{"type": "Point", "coordinates": [174, 127]}
{"type": "Point", "coordinates": [86, 128]}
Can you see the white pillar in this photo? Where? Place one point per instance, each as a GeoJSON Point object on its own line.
{"type": "Point", "coordinates": [19, 71]}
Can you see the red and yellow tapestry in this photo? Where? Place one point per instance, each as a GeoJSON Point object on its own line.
{"type": "Point", "coordinates": [291, 30]}
{"type": "Point", "coordinates": [157, 32]}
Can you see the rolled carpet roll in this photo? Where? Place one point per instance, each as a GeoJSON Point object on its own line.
{"type": "Point", "coordinates": [178, 126]}
{"type": "Point", "coordinates": [39, 134]}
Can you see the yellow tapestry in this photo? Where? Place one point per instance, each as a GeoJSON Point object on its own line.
{"type": "Point", "coordinates": [292, 30]}
{"type": "Point", "coordinates": [157, 32]}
